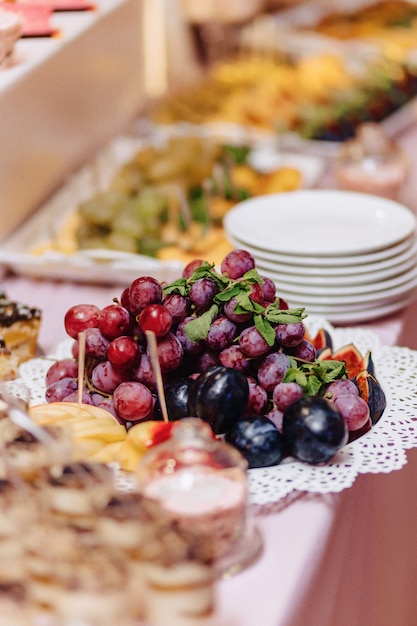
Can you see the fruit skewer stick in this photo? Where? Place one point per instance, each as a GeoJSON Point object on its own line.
{"type": "Point", "coordinates": [153, 351]}
{"type": "Point", "coordinates": [81, 365]}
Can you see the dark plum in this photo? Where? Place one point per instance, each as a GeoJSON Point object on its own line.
{"type": "Point", "coordinates": [176, 399]}
{"type": "Point", "coordinates": [219, 397]}
{"type": "Point", "coordinates": [314, 429]}
{"type": "Point", "coordinates": [258, 440]}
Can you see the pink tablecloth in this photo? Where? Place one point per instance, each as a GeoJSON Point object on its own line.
{"type": "Point", "coordinates": [346, 559]}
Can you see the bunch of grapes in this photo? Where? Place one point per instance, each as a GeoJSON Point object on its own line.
{"type": "Point", "coordinates": [206, 318]}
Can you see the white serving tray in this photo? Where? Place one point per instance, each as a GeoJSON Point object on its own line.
{"type": "Point", "coordinates": [108, 266]}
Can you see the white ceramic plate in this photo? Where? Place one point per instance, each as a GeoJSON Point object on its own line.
{"type": "Point", "coordinates": [324, 223]}
{"type": "Point", "coordinates": [355, 290]}
{"type": "Point", "coordinates": [349, 273]}
{"type": "Point", "coordinates": [333, 301]}
{"type": "Point", "coordinates": [366, 314]}
{"type": "Point", "coordinates": [341, 263]}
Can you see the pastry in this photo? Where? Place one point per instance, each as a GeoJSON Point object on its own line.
{"type": "Point", "coordinates": [19, 327]}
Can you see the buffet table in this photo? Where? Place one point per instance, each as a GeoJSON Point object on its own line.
{"type": "Point", "coordinates": [328, 560]}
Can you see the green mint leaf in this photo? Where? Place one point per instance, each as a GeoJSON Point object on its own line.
{"type": "Point", "coordinates": [252, 276]}
{"type": "Point", "coordinates": [205, 270]}
{"type": "Point", "coordinates": [295, 375]}
{"type": "Point", "coordinates": [244, 304]}
{"type": "Point", "coordinates": [265, 329]}
{"type": "Point", "coordinates": [329, 370]}
{"type": "Point", "coordinates": [284, 316]}
{"type": "Point", "coordinates": [228, 294]}
{"type": "Point", "coordinates": [178, 286]}
{"type": "Point", "coordinates": [198, 328]}
{"type": "Point", "coordinates": [313, 387]}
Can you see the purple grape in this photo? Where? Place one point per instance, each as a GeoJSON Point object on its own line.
{"type": "Point", "coordinates": [143, 373]}
{"type": "Point", "coordinates": [133, 401]}
{"type": "Point", "coordinates": [252, 343]}
{"type": "Point", "coordinates": [205, 359]}
{"type": "Point", "coordinates": [304, 351]}
{"type": "Point", "coordinates": [232, 356]}
{"type": "Point", "coordinates": [64, 368]}
{"type": "Point", "coordinates": [170, 352]}
{"type": "Point", "coordinates": [189, 347]}
{"type": "Point", "coordinates": [290, 335]}
{"type": "Point", "coordinates": [106, 378]}
{"type": "Point", "coordinates": [202, 293]}
{"type": "Point", "coordinates": [85, 399]}
{"type": "Point", "coordinates": [272, 370]}
{"type": "Point", "coordinates": [276, 417]}
{"type": "Point", "coordinates": [57, 391]}
{"type": "Point", "coordinates": [108, 405]}
{"type": "Point", "coordinates": [237, 263]}
{"type": "Point", "coordinates": [285, 394]}
{"type": "Point", "coordinates": [258, 399]}
{"type": "Point", "coordinates": [342, 386]}
{"type": "Point", "coordinates": [354, 410]}
{"type": "Point", "coordinates": [95, 344]}
{"type": "Point", "coordinates": [221, 333]}
{"type": "Point", "coordinates": [179, 306]}
{"type": "Point", "coordinates": [238, 318]}
{"type": "Point", "coordinates": [269, 289]}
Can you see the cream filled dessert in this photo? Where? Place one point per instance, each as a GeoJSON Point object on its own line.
{"type": "Point", "coordinates": [201, 484]}
{"type": "Point", "coordinates": [210, 504]}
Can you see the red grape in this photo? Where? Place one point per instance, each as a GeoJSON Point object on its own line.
{"type": "Point", "coordinates": [156, 318]}
{"type": "Point", "coordinates": [143, 291]}
{"type": "Point", "coordinates": [79, 317]}
{"type": "Point", "coordinates": [133, 401]}
{"type": "Point", "coordinates": [106, 378]}
{"type": "Point", "coordinates": [95, 344]}
{"type": "Point", "coordinates": [258, 399]}
{"type": "Point", "coordinates": [143, 372]}
{"type": "Point", "coordinates": [190, 268]}
{"type": "Point", "coordinates": [113, 321]}
{"type": "Point", "coordinates": [123, 352]}
{"type": "Point", "coordinates": [269, 289]}
{"type": "Point", "coordinates": [229, 310]}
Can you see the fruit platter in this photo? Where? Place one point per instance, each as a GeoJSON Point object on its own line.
{"type": "Point", "coordinates": [152, 201]}
{"type": "Point", "coordinates": [312, 100]}
{"type": "Point", "coordinates": [309, 407]}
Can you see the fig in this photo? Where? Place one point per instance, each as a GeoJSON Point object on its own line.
{"type": "Point", "coordinates": [313, 429]}
{"type": "Point", "coordinates": [371, 391]}
{"type": "Point", "coordinates": [321, 340]}
{"type": "Point", "coordinates": [219, 396]}
{"type": "Point", "coordinates": [352, 357]}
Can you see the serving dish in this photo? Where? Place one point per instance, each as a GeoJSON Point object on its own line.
{"type": "Point", "coordinates": [48, 226]}
{"type": "Point", "coordinates": [381, 450]}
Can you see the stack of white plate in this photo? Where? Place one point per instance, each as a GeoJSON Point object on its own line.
{"type": "Point", "coordinates": [347, 256]}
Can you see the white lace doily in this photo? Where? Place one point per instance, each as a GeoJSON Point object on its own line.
{"type": "Point", "coordinates": [381, 450]}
